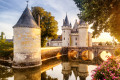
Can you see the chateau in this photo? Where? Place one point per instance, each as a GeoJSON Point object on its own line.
{"type": "Point", "coordinates": [78, 36]}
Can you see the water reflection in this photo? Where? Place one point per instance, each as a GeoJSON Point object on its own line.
{"type": "Point", "coordinates": [87, 55]}
{"type": "Point", "coordinates": [54, 69]}
{"type": "Point", "coordinates": [27, 74]}
{"type": "Point", "coordinates": [79, 70]}
{"type": "Point", "coordinates": [5, 72]}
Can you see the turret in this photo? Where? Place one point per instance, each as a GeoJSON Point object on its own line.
{"type": "Point", "coordinates": [83, 34]}
{"type": "Point", "coordinates": [66, 31]}
{"type": "Point", "coordinates": [27, 42]}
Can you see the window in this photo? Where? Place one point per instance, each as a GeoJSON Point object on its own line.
{"type": "Point", "coordinates": [64, 38]}
{"type": "Point", "coordinates": [64, 31]}
{"type": "Point", "coordinates": [76, 38]}
{"type": "Point", "coordinates": [75, 43]}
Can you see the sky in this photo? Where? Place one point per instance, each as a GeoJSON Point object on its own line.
{"type": "Point", "coordinates": [11, 10]}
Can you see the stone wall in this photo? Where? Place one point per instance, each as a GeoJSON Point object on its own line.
{"type": "Point", "coordinates": [27, 46]}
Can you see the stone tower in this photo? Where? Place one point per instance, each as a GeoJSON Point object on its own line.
{"type": "Point", "coordinates": [27, 42]}
{"type": "Point", "coordinates": [89, 39]}
{"type": "Point", "coordinates": [83, 34]}
{"type": "Point", "coordinates": [66, 31]}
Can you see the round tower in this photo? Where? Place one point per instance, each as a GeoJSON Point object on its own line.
{"type": "Point", "coordinates": [83, 34]}
{"type": "Point", "coordinates": [89, 39]}
{"type": "Point", "coordinates": [66, 31]}
{"type": "Point", "coordinates": [27, 42]}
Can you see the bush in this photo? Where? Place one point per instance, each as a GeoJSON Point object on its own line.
{"type": "Point", "coordinates": [6, 49]}
{"type": "Point", "coordinates": [108, 70]}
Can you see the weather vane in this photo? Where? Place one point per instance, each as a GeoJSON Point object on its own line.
{"type": "Point", "coordinates": [27, 2]}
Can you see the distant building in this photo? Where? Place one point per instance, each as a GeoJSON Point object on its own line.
{"type": "Point", "coordinates": [78, 36]}
{"type": "Point", "coordinates": [55, 42]}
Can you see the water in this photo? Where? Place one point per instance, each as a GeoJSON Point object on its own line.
{"type": "Point", "coordinates": [53, 69]}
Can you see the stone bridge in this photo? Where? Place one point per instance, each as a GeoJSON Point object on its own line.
{"type": "Point", "coordinates": [96, 50]}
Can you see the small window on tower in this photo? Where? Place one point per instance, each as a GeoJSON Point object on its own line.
{"type": "Point", "coordinates": [64, 38]}
{"type": "Point", "coordinates": [76, 38]}
{"type": "Point", "coordinates": [75, 43]}
{"type": "Point", "coordinates": [64, 31]}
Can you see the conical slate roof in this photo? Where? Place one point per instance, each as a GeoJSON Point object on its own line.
{"type": "Point", "coordinates": [26, 20]}
{"type": "Point", "coordinates": [75, 26]}
{"type": "Point", "coordinates": [66, 22]}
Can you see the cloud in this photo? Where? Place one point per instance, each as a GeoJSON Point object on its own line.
{"type": "Point", "coordinates": [10, 11]}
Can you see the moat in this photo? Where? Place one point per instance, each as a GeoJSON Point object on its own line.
{"type": "Point", "coordinates": [58, 68]}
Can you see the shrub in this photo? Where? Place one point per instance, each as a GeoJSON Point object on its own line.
{"type": "Point", "coordinates": [108, 70]}
{"type": "Point", "coordinates": [6, 49]}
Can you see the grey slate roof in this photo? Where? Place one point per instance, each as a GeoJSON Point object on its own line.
{"type": "Point", "coordinates": [75, 27]}
{"type": "Point", "coordinates": [26, 20]}
{"type": "Point", "coordinates": [66, 22]}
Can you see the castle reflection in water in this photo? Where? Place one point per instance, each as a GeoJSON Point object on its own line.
{"type": "Point", "coordinates": [66, 68]}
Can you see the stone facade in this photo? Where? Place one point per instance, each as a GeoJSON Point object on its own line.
{"type": "Point", "coordinates": [78, 36]}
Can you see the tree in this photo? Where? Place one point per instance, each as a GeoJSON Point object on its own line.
{"type": "Point", "coordinates": [6, 48]}
{"type": "Point", "coordinates": [100, 43]}
{"type": "Point", "coordinates": [2, 34]}
{"type": "Point", "coordinates": [103, 14]}
{"type": "Point", "coordinates": [48, 24]}
{"type": "Point", "coordinates": [108, 43]}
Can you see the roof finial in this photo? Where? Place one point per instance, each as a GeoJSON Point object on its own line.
{"type": "Point", "coordinates": [27, 2]}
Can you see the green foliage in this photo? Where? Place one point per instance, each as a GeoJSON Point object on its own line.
{"type": "Point", "coordinates": [103, 14]}
{"type": "Point", "coordinates": [100, 43]}
{"type": "Point", "coordinates": [48, 24]}
{"type": "Point", "coordinates": [6, 49]}
{"type": "Point", "coordinates": [2, 34]}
